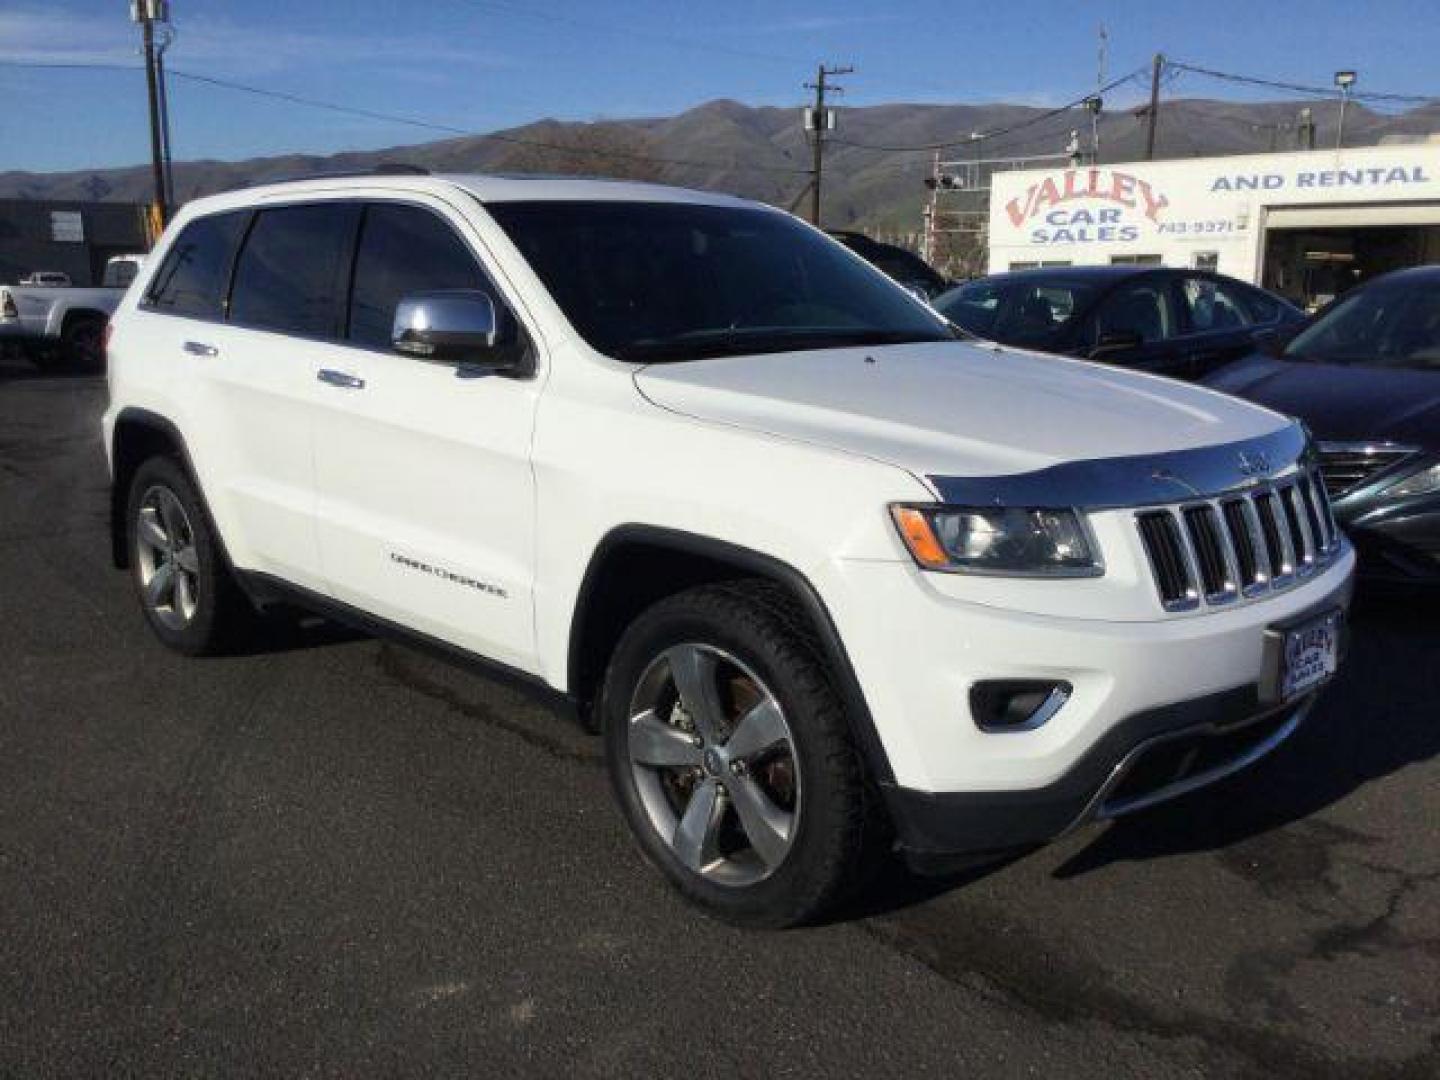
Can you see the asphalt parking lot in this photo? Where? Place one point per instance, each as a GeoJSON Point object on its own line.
{"type": "Point", "coordinates": [335, 856]}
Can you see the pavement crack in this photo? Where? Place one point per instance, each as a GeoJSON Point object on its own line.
{"type": "Point", "coordinates": [992, 955]}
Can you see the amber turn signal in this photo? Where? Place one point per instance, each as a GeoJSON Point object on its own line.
{"type": "Point", "coordinates": [919, 537]}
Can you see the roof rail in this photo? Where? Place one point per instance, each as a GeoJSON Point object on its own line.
{"type": "Point", "coordinates": [386, 168]}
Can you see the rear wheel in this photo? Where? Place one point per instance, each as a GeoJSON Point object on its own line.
{"type": "Point", "coordinates": [731, 758]}
{"type": "Point", "coordinates": [82, 343]}
{"type": "Point", "coordinates": [184, 587]}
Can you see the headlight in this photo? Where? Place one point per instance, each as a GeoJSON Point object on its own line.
{"type": "Point", "coordinates": [1420, 483]}
{"type": "Point", "coordinates": [994, 540]}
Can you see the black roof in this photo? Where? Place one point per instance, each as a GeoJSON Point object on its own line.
{"type": "Point", "coordinates": [1114, 272]}
{"type": "Point", "coordinates": [1411, 275]}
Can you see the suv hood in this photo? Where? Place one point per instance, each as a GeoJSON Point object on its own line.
{"type": "Point", "coordinates": [954, 408]}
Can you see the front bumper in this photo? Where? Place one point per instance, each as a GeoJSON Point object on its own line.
{"type": "Point", "coordinates": [1399, 543]}
{"type": "Point", "coordinates": [1149, 757]}
{"type": "Point", "coordinates": [16, 332]}
{"type": "Point", "coordinates": [1202, 678]}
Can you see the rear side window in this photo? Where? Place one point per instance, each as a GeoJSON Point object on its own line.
{"type": "Point", "coordinates": [1211, 305]}
{"type": "Point", "coordinates": [292, 271]}
{"type": "Point", "coordinates": [403, 250]}
{"type": "Point", "coordinates": [191, 281]}
{"type": "Point", "coordinates": [1140, 309]}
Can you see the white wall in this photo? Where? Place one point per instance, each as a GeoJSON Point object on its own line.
{"type": "Point", "coordinates": [1178, 209]}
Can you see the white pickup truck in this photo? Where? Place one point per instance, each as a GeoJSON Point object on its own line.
{"type": "Point", "coordinates": [59, 325]}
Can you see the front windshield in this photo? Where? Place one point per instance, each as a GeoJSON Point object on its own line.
{"type": "Point", "coordinates": [1015, 312]}
{"type": "Point", "coordinates": [672, 281]}
{"type": "Point", "coordinates": [1393, 325]}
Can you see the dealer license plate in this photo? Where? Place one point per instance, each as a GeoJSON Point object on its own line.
{"type": "Point", "coordinates": [1311, 655]}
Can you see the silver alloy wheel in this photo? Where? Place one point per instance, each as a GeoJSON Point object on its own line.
{"type": "Point", "coordinates": [166, 558]}
{"type": "Point", "coordinates": [714, 763]}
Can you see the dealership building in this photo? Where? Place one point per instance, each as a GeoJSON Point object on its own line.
{"type": "Point", "coordinates": [1307, 225]}
{"type": "Point", "coordinates": [73, 237]}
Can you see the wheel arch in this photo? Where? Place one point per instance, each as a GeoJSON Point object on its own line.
{"type": "Point", "coordinates": [140, 434]}
{"type": "Point", "coordinates": [75, 315]}
{"type": "Point", "coordinates": [635, 566]}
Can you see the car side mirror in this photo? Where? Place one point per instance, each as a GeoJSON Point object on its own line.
{"type": "Point", "coordinates": [1113, 343]}
{"type": "Point", "coordinates": [455, 326]}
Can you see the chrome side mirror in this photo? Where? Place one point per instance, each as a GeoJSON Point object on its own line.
{"type": "Point", "coordinates": [456, 326]}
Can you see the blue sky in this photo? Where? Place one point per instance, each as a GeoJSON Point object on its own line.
{"type": "Point", "coordinates": [480, 65]}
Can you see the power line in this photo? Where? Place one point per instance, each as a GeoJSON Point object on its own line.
{"type": "Point", "coordinates": [1301, 88]}
{"type": "Point", "coordinates": [411, 121]}
{"type": "Point", "coordinates": [997, 132]}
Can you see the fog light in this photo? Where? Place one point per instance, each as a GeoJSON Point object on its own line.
{"type": "Point", "coordinates": [1016, 704]}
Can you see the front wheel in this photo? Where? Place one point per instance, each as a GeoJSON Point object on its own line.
{"type": "Point", "coordinates": [731, 757]}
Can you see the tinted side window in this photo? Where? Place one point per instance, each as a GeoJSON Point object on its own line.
{"type": "Point", "coordinates": [403, 249]}
{"type": "Point", "coordinates": [1033, 312]}
{"type": "Point", "coordinates": [192, 278]}
{"type": "Point", "coordinates": [1138, 309]}
{"type": "Point", "coordinates": [292, 271]}
{"type": "Point", "coordinates": [1212, 305]}
{"type": "Point", "coordinates": [972, 306]}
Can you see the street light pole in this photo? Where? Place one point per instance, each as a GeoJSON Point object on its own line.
{"type": "Point", "coordinates": [1344, 80]}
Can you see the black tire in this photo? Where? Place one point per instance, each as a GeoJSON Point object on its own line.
{"type": "Point", "coordinates": [838, 827]}
{"type": "Point", "coordinates": [222, 616]}
{"type": "Point", "coordinates": [82, 344]}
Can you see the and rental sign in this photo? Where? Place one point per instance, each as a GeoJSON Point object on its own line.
{"type": "Point", "coordinates": [1090, 214]}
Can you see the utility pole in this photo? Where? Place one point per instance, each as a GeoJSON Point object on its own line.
{"type": "Point", "coordinates": [147, 13]}
{"type": "Point", "coordinates": [1100, 72]}
{"type": "Point", "coordinates": [1157, 68]}
{"type": "Point", "coordinates": [818, 120]}
{"type": "Point", "coordinates": [164, 95]}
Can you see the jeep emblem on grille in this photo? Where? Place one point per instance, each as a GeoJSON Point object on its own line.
{"type": "Point", "coordinates": [1253, 463]}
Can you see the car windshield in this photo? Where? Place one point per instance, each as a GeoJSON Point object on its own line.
{"type": "Point", "coordinates": [1394, 325]}
{"type": "Point", "coordinates": [1020, 312]}
{"type": "Point", "coordinates": [650, 282]}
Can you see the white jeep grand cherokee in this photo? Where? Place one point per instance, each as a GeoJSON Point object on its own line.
{"type": "Point", "coordinates": [825, 577]}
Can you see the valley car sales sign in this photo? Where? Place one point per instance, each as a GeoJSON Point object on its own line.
{"type": "Point", "coordinates": [1082, 205]}
{"type": "Point", "coordinates": [1090, 214]}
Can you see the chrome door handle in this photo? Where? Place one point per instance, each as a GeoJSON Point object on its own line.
{"type": "Point", "coordinates": [330, 377]}
{"type": "Point", "coordinates": [199, 348]}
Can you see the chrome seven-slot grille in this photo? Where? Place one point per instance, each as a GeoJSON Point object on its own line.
{"type": "Point", "coordinates": [1243, 544]}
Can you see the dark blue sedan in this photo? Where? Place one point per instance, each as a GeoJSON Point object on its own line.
{"type": "Point", "coordinates": [1365, 377]}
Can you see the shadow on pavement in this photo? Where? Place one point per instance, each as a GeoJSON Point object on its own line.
{"type": "Point", "coordinates": [1379, 716]}
{"type": "Point", "coordinates": [16, 368]}
{"type": "Point", "coordinates": [284, 630]}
